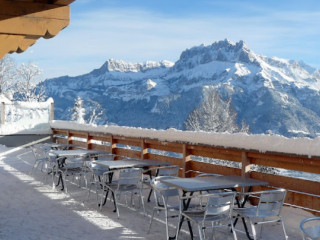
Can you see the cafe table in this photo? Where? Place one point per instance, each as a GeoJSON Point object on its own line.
{"type": "Point", "coordinates": [129, 163]}
{"type": "Point", "coordinates": [191, 185]}
{"type": "Point", "coordinates": [62, 155]}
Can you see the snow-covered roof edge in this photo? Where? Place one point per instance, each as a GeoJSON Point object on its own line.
{"type": "Point", "coordinates": [258, 142]}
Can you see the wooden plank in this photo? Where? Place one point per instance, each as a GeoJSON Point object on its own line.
{"type": "Point", "coordinates": [172, 160]}
{"type": "Point", "coordinates": [62, 140]}
{"type": "Point", "coordinates": [223, 151]}
{"type": "Point", "coordinates": [212, 168]}
{"type": "Point", "coordinates": [60, 132]}
{"type": "Point", "coordinates": [127, 153]}
{"type": "Point", "coordinates": [132, 139]}
{"type": "Point", "coordinates": [78, 134]}
{"type": "Point", "coordinates": [288, 165]}
{"type": "Point", "coordinates": [295, 184]}
{"type": "Point", "coordinates": [128, 142]}
{"type": "Point", "coordinates": [216, 155]}
{"type": "Point", "coordinates": [78, 143]}
{"type": "Point", "coordinates": [101, 137]}
{"type": "Point", "coordinates": [33, 9]}
{"type": "Point", "coordinates": [167, 148]}
{"type": "Point", "coordinates": [101, 147]}
{"type": "Point", "coordinates": [306, 201]}
{"type": "Point", "coordinates": [286, 158]}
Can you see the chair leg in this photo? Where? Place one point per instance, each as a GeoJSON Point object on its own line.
{"type": "Point", "coordinates": [142, 203]}
{"type": "Point", "coordinates": [151, 220]}
{"type": "Point", "coordinates": [179, 219]}
{"type": "Point", "coordinates": [233, 230]}
{"type": "Point", "coordinates": [284, 229]}
{"type": "Point", "coordinates": [64, 178]}
{"type": "Point", "coordinates": [34, 167]}
{"type": "Point", "coordinates": [201, 236]}
{"type": "Point", "coordinates": [116, 204]}
{"type": "Point", "coordinates": [254, 234]}
{"type": "Point", "coordinates": [167, 227]}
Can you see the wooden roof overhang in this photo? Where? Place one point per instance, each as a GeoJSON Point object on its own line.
{"type": "Point", "coordinates": [23, 22]}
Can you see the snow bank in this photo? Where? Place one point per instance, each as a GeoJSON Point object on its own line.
{"type": "Point", "coordinates": [259, 142]}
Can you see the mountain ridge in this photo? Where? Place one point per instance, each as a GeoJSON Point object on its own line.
{"type": "Point", "coordinates": [271, 94]}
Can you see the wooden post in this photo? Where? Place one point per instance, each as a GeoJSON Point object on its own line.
{"type": "Point", "coordinates": [89, 145]}
{"type": "Point", "coordinates": [144, 150]}
{"type": "Point", "coordinates": [51, 117]}
{"type": "Point", "coordinates": [69, 137]}
{"type": "Point", "coordinates": [113, 146]}
{"type": "Point", "coordinates": [3, 113]}
{"type": "Point", "coordinates": [246, 165]}
{"type": "Point", "coordinates": [186, 158]}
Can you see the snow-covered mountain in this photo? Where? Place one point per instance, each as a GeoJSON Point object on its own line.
{"type": "Point", "coordinates": [270, 94]}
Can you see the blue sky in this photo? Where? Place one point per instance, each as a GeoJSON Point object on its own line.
{"type": "Point", "coordinates": [141, 30]}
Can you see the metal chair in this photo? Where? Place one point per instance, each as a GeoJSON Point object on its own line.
{"type": "Point", "coordinates": [268, 209]}
{"type": "Point", "coordinates": [202, 175]}
{"type": "Point", "coordinates": [217, 212]}
{"type": "Point", "coordinates": [166, 199]}
{"type": "Point", "coordinates": [96, 172]}
{"type": "Point", "coordinates": [44, 159]}
{"type": "Point", "coordinates": [310, 228]}
{"type": "Point", "coordinates": [40, 158]}
{"type": "Point", "coordinates": [129, 182]}
{"type": "Point", "coordinates": [70, 167]}
{"type": "Point", "coordinates": [171, 170]}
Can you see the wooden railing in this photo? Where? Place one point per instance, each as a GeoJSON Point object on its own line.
{"type": "Point", "coordinates": [301, 192]}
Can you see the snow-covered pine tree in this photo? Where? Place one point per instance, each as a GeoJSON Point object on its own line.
{"type": "Point", "coordinates": [78, 111]}
{"type": "Point", "coordinates": [214, 115]}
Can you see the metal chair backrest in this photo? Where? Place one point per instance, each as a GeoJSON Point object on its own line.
{"type": "Point", "coordinates": [97, 169]}
{"type": "Point", "coordinates": [208, 175]}
{"type": "Point", "coordinates": [105, 157]}
{"type": "Point", "coordinates": [168, 171]}
{"type": "Point", "coordinates": [38, 152]}
{"type": "Point", "coordinates": [271, 202]}
{"type": "Point", "coordinates": [130, 177]}
{"type": "Point", "coordinates": [220, 204]}
{"type": "Point", "coordinates": [310, 228]}
{"type": "Point", "coordinates": [74, 163]}
{"type": "Point", "coordinates": [162, 191]}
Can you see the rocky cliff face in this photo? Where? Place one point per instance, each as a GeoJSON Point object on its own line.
{"type": "Point", "coordinates": [270, 94]}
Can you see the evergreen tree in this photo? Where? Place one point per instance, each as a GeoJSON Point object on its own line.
{"type": "Point", "coordinates": [78, 111]}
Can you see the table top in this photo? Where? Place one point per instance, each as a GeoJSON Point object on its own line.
{"type": "Point", "coordinates": [130, 163]}
{"type": "Point", "coordinates": [77, 152]}
{"type": "Point", "coordinates": [212, 183]}
{"type": "Point", "coordinates": [61, 146]}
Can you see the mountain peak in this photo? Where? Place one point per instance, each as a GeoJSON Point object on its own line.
{"type": "Point", "coordinates": [224, 50]}
{"type": "Point", "coordinates": [113, 65]}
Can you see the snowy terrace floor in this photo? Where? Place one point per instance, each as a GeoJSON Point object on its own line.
{"type": "Point", "coordinates": [31, 209]}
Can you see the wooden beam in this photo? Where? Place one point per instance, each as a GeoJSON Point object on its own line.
{"type": "Point", "coordinates": [23, 22]}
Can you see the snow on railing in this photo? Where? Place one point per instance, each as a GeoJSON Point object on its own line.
{"type": "Point", "coordinates": [290, 163]}
{"type": "Point", "coordinates": [26, 117]}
